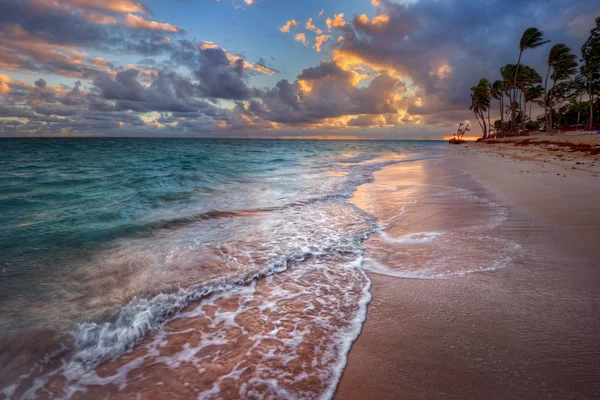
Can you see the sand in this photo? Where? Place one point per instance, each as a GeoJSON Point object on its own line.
{"type": "Point", "coordinates": [525, 331]}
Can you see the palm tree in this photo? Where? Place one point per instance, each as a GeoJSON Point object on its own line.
{"type": "Point", "coordinates": [534, 94]}
{"type": "Point", "coordinates": [579, 87]}
{"type": "Point", "coordinates": [532, 38]}
{"type": "Point", "coordinates": [480, 102]}
{"type": "Point", "coordinates": [497, 92]}
{"type": "Point", "coordinates": [558, 52]}
{"type": "Point", "coordinates": [520, 83]}
{"type": "Point", "coordinates": [564, 68]}
{"type": "Point", "coordinates": [527, 79]}
{"type": "Point", "coordinates": [507, 73]}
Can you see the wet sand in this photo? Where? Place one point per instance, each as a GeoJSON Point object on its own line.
{"type": "Point", "coordinates": [525, 331]}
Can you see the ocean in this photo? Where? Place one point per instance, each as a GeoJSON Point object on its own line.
{"type": "Point", "coordinates": [200, 268]}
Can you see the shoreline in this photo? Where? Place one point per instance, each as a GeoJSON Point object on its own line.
{"type": "Point", "coordinates": [524, 331]}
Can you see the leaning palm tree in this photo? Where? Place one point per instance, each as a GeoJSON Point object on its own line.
{"type": "Point", "coordinates": [563, 70]}
{"type": "Point", "coordinates": [532, 38]}
{"type": "Point", "coordinates": [558, 53]}
{"type": "Point", "coordinates": [534, 94]}
{"type": "Point", "coordinates": [497, 92]}
{"type": "Point", "coordinates": [506, 73]}
{"type": "Point", "coordinates": [579, 88]}
{"type": "Point", "coordinates": [527, 79]}
{"type": "Point", "coordinates": [480, 102]}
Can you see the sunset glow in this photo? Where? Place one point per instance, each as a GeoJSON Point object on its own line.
{"type": "Point", "coordinates": [146, 68]}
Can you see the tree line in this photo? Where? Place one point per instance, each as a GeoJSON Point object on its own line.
{"type": "Point", "coordinates": [560, 93]}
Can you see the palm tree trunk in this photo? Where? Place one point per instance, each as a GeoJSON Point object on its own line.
{"type": "Point", "coordinates": [479, 122]}
{"type": "Point", "coordinates": [551, 105]}
{"type": "Point", "coordinates": [591, 120]}
{"type": "Point", "coordinates": [513, 120]}
{"type": "Point", "coordinates": [489, 108]}
{"type": "Point", "coordinates": [546, 97]}
{"type": "Point", "coordinates": [502, 111]}
{"type": "Point", "coordinates": [484, 125]}
{"type": "Point", "coordinates": [579, 109]}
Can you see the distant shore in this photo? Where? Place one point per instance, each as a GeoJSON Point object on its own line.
{"type": "Point", "coordinates": [528, 330]}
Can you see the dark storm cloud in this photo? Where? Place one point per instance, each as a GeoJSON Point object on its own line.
{"type": "Point", "coordinates": [325, 70]}
{"type": "Point", "coordinates": [219, 79]}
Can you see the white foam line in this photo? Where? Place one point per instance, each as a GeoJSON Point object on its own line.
{"type": "Point", "coordinates": [378, 268]}
{"type": "Point", "coordinates": [411, 238]}
{"type": "Point", "coordinates": [351, 334]}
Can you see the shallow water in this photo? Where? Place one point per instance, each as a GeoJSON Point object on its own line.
{"type": "Point", "coordinates": [207, 268]}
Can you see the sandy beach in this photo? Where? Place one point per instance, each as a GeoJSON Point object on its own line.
{"type": "Point", "coordinates": [527, 330]}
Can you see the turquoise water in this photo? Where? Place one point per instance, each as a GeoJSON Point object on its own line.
{"type": "Point", "coordinates": [59, 198]}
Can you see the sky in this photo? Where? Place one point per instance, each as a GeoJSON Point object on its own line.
{"type": "Point", "coordinates": [368, 69]}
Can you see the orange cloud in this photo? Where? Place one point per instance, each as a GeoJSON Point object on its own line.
{"type": "Point", "coordinates": [320, 40]}
{"type": "Point", "coordinates": [301, 37]}
{"type": "Point", "coordinates": [101, 62]}
{"type": "Point", "coordinates": [14, 40]}
{"type": "Point", "coordinates": [100, 19]}
{"type": "Point", "coordinates": [122, 6]}
{"type": "Point", "coordinates": [311, 27]}
{"type": "Point", "coordinates": [4, 81]}
{"type": "Point", "coordinates": [119, 6]}
{"type": "Point", "coordinates": [286, 28]}
{"type": "Point", "coordinates": [138, 22]}
{"type": "Point", "coordinates": [336, 22]}
{"type": "Point", "coordinates": [378, 22]}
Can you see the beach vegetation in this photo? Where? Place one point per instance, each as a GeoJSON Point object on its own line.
{"type": "Point", "coordinates": [568, 93]}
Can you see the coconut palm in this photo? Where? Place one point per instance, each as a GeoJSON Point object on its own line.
{"type": "Point", "coordinates": [532, 38]}
{"type": "Point", "coordinates": [527, 80]}
{"type": "Point", "coordinates": [480, 102]}
{"type": "Point", "coordinates": [534, 94]}
{"type": "Point", "coordinates": [497, 92]}
{"type": "Point", "coordinates": [520, 82]}
{"type": "Point", "coordinates": [564, 69]}
{"type": "Point", "coordinates": [558, 53]}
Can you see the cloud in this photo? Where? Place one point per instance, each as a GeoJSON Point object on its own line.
{"type": "Point", "coordinates": [221, 79]}
{"type": "Point", "coordinates": [116, 6]}
{"type": "Point", "coordinates": [138, 22]}
{"type": "Point", "coordinates": [288, 25]}
{"type": "Point", "coordinates": [336, 22]}
{"type": "Point", "coordinates": [327, 92]}
{"type": "Point", "coordinates": [311, 27]}
{"type": "Point", "coordinates": [4, 81]}
{"type": "Point", "coordinates": [320, 40]}
{"type": "Point", "coordinates": [400, 64]}
{"type": "Point", "coordinates": [301, 37]}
